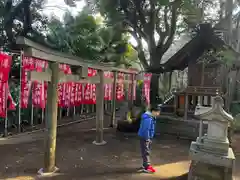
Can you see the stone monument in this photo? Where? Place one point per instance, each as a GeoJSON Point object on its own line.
{"type": "Point", "coordinates": [212, 158]}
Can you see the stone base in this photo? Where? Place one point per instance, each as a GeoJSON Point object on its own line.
{"type": "Point", "coordinates": [199, 155]}
{"type": "Point", "coordinates": [42, 173]}
{"type": "Point", "coordinates": [99, 143]}
{"type": "Point", "coordinates": [203, 171]}
{"type": "Point", "coordinates": [220, 148]}
{"type": "Point", "coordinates": [221, 145]}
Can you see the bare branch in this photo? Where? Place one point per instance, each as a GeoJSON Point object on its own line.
{"type": "Point", "coordinates": [165, 19]}
{"type": "Point", "coordinates": [172, 29]}
{"type": "Point", "coordinates": [140, 13]}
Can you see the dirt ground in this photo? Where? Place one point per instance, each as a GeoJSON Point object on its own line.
{"type": "Point", "coordinates": [79, 159]}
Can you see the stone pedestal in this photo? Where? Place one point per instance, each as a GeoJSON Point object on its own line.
{"type": "Point", "coordinates": [205, 171]}
{"type": "Point", "coordinates": [212, 158]}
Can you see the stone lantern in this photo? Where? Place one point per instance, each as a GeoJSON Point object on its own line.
{"type": "Point", "coordinates": [213, 148]}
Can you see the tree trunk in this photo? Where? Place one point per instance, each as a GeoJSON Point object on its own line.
{"type": "Point", "coordinates": [154, 90]}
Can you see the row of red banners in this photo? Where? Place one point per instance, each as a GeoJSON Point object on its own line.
{"type": "Point", "coordinates": [69, 94]}
{"type": "Point", "coordinates": [5, 95]}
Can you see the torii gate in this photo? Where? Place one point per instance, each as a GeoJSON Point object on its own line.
{"type": "Point", "coordinates": [53, 76]}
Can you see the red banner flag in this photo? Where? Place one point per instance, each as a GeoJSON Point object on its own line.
{"type": "Point", "coordinates": [5, 66]}
{"type": "Point", "coordinates": [130, 88]}
{"type": "Point", "coordinates": [64, 89]}
{"type": "Point", "coordinates": [27, 65]}
{"type": "Point", "coordinates": [90, 89]}
{"type": "Point", "coordinates": [78, 94]}
{"type": "Point", "coordinates": [108, 87]}
{"type": "Point", "coordinates": [73, 94]}
{"type": "Point", "coordinates": [3, 99]}
{"type": "Point", "coordinates": [146, 87]}
{"type": "Point", "coordinates": [39, 88]}
{"type": "Point", "coordinates": [60, 94]}
{"type": "Point", "coordinates": [120, 87]}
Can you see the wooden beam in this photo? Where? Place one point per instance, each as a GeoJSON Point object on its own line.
{"type": "Point", "coordinates": [36, 50]}
{"type": "Point", "coordinates": [46, 76]}
{"type": "Point", "coordinates": [39, 76]}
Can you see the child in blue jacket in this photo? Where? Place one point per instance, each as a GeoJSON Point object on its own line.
{"type": "Point", "coordinates": [146, 133]}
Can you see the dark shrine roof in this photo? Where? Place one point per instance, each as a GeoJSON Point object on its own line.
{"type": "Point", "coordinates": [205, 39]}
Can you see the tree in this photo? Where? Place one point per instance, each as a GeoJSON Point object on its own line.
{"type": "Point", "coordinates": [21, 17]}
{"type": "Point", "coordinates": [151, 22]}
{"type": "Point", "coordinates": [86, 37]}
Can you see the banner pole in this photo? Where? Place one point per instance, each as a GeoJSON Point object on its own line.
{"type": "Point", "coordinates": [32, 114]}
{"type": "Point", "coordinates": [6, 118]}
{"type": "Point", "coordinates": [19, 103]}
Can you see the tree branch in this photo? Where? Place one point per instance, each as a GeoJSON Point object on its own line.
{"type": "Point", "coordinates": [152, 25]}
{"type": "Point", "coordinates": [12, 12]}
{"type": "Point", "coordinates": [140, 13]}
{"type": "Point", "coordinates": [171, 30]}
{"type": "Point", "coordinates": [139, 49]}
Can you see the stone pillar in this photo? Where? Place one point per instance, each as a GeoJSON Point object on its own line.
{"type": "Point", "coordinates": [100, 110]}
{"type": "Point", "coordinates": [212, 158]}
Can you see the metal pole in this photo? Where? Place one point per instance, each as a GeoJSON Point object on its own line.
{"type": "Point", "coordinates": [19, 97]}
{"type": "Point", "coordinates": [132, 89]}
{"type": "Point", "coordinates": [74, 111]}
{"type": "Point", "coordinates": [200, 129]}
{"type": "Point", "coordinates": [42, 115]}
{"type": "Point", "coordinates": [113, 117]}
{"type": "Point", "coordinates": [32, 114]}
{"type": "Point", "coordinates": [68, 112]}
{"type": "Point", "coordinates": [60, 113]}
{"type": "Point", "coordinates": [43, 99]}
{"type": "Point", "coordinates": [6, 118]}
{"type": "Point", "coordinates": [52, 109]}
{"type": "Point", "coordinates": [82, 106]}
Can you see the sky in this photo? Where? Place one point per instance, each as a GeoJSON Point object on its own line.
{"type": "Point", "coordinates": [58, 8]}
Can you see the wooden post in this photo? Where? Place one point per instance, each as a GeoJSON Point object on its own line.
{"type": "Point", "coordinates": [175, 103]}
{"type": "Point", "coordinates": [113, 116]}
{"type": "Point", "coordinates": [52, 111]}
{"type": "Point", "coordinates": [186, 107]}
{"type": "Point", "coordinates": [100, 110]}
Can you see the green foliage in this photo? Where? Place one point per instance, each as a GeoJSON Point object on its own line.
{"type": "Point", "coordinates": [21, 18]}
{"type": "Point", "coordinates": [156, 22]}
{"type": "Point", "coordinates": [86, 37]}
{"type": "Point", "coordinates": [235, 109]}
{"type": "Point", "coordinates": [227, 56]}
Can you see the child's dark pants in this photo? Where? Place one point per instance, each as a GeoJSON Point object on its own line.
{"type": "Point", "coordinates": [145, 150]}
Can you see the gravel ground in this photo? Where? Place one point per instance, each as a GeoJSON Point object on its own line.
{"type": "Point", "coordinates": [79, 159]}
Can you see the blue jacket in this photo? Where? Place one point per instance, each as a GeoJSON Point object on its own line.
{"type": "Point", "coordinates": [147, 126]}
